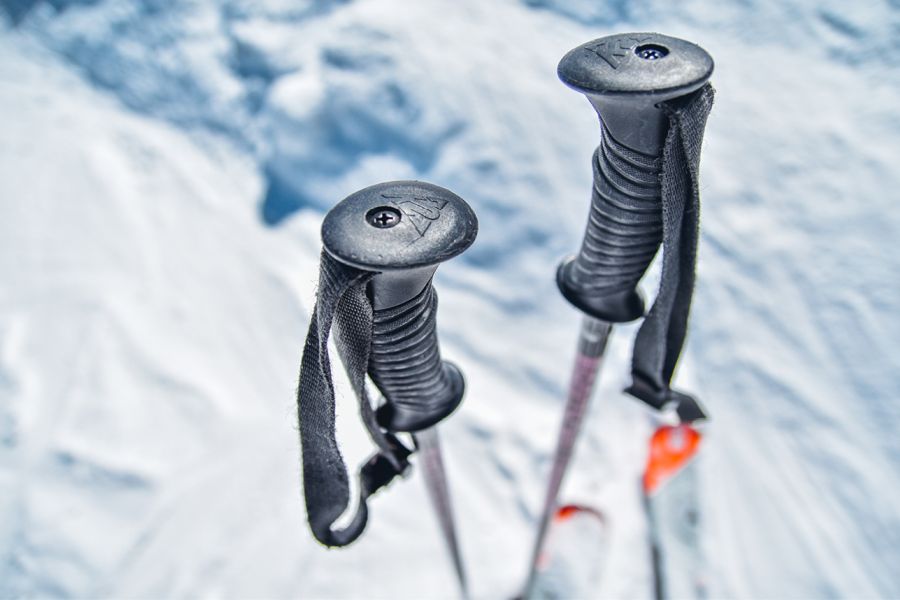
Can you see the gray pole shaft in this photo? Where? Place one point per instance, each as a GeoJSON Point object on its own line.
{"type": "Point", "coordinates": [435, 475]}
{"type": "Point", "coordinates": [591, 346]}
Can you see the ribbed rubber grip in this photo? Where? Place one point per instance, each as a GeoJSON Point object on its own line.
{"type": "Point", "coordinates": [402, 231]}
{"type": "Point", "coordinates": [626, 77]}
{"type": "Point", "coordinates": [623, 233]}
{"type": "Point", "coordinates": [624, 229]}
{"type": "Point", "coordinates": [405, 363]}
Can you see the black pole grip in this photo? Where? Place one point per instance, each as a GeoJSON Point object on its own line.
{"type": "Point", "coordinates": [402, 230]}
{"type": "Point", "coordinates": [625, 77]}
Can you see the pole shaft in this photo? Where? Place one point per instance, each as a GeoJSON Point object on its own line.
{"type": "Point", "coordinates": [435, 475]}
{"type": "Point", "coordinates": [591, 345]}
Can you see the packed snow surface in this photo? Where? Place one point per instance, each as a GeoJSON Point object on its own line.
{"type": "Point", "coordinates": [164, 169]}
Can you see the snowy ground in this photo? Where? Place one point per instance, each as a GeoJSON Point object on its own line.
{"type": "Point", "coordinates": [163, 173]}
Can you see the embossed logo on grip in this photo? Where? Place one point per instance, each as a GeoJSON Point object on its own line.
{"type": "Point", "coordinates": [420, 210]}
{"type": "Point", "coordinates": [614, 51]}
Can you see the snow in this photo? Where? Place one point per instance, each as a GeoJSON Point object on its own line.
{"type": "Point", "coordinates": [164, 169]}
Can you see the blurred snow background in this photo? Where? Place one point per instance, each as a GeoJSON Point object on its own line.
{"type": "Point", "coordinates": [164, 168]}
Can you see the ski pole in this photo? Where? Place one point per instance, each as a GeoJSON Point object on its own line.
{"type": "Point", "coordinates": [644, 87]}
{"type": "Point", "coordinates": [382, 246]}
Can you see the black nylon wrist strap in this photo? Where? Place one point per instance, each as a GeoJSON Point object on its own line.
{"type": "Point", "coordinates": [661, 336]}
{"type": "Point", "coordinates": [341, 301]}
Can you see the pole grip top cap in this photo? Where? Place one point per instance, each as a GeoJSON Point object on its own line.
{"type": "Point", "coordinates": [399, 225]}
{"type": "Point", "coordinates": [636, 65]}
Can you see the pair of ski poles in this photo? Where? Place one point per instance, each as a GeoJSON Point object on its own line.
{"type": "Point", "coordinates": [383, 244]}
